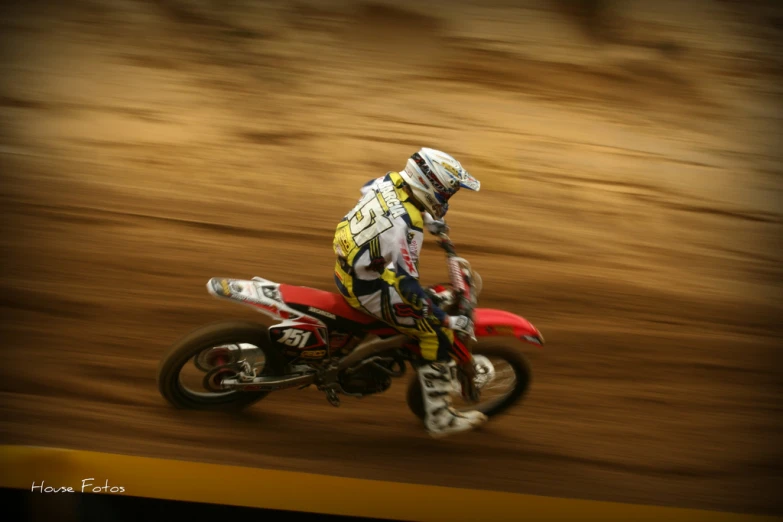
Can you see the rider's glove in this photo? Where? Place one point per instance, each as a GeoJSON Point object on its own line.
{"type": "Point", "coordinates": [462, 324]}
{"type": "Point", "coordinates": [437, 227]}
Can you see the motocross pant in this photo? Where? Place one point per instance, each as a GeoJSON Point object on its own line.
{"type": "Point", "coordinates": [402, 303]}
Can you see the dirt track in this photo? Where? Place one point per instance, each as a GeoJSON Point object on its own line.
{"type": "Point", "coordinates": [630, 209]}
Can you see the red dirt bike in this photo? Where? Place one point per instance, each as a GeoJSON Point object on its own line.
{"type": "Point", "coordinates": [320, 340]}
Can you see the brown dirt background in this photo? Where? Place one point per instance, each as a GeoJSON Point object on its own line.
{"type": "Point", "coordinates": [630, 156]}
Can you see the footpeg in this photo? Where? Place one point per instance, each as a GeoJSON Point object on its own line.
{"type": "Point", "coordinates": [332, 397]}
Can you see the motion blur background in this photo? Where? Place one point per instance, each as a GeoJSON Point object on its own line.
{"type": "Point", "coordinates": [631, 209]}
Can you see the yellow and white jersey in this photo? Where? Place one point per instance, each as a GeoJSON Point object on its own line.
{"type": "Point", "coordinates": [383, 231]}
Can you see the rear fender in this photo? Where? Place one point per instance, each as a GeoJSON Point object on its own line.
{"type": "Point", "coordinates": [262, 295]}
{"type": "Point", "coordinates": [489, 322]}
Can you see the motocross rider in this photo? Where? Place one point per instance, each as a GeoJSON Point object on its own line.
{"type": "Point", "coordinates": [378, 244]}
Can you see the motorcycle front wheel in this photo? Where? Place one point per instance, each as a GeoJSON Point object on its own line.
{"type": "Point", "coordinates": [509, 385]}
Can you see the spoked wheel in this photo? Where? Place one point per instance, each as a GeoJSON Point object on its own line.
{"type": "Point", "coordinates": [191, 371]}
{"type": "Point", "coordinates": [501, 388]}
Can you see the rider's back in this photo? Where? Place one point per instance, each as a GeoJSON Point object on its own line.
{"type": "Point", "coordinates": [383, 230]}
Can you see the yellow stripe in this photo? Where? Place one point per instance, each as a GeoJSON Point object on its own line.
{"type": "Point", "coordinates": [417, 220]}
{"type": "Point", "coordinates": [428, 344]}
{"type": "Point", "coordinates": [253, 487]}
{"type": "Point", "coordinates": [382, 201]}
{"type": "Point", "coordinates": [424, 326]}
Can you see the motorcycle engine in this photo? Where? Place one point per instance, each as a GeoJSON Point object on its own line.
{"type": "Point", "coordinates": [366, 381]}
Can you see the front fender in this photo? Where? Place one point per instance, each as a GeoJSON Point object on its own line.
{"type": "Point", "coordinates": [489, 322]}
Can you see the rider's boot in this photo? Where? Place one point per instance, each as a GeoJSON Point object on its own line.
{"type": "Point", "coordinates": [440, 419]}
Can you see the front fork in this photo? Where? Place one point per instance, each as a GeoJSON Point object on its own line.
{"type": "Point", "coordinates": [464, 375]}
{"type": "Point", "coordinates": [483, 372]}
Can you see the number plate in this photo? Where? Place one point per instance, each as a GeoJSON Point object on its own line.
{"type": "Point", "coordinates": [300, 337]}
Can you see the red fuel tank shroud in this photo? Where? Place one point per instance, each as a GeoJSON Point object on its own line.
{"type": "Point", "coordinates": [488, 321]}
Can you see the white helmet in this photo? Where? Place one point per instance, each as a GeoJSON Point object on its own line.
{"type": "Point", "coordinates": [434, 177]}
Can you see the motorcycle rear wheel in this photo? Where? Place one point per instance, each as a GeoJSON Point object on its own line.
{"type": "Point", "coordinates": [225, 333]}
